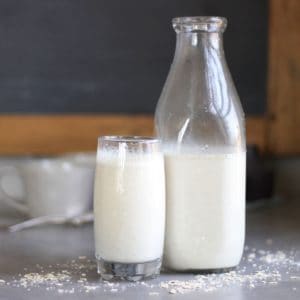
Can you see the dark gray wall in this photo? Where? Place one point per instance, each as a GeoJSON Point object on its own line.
{"type": "Point", "coordinates": [113, 56]}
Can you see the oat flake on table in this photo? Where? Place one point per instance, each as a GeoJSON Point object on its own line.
{"type": "Point", "coordinates": [263, 268]}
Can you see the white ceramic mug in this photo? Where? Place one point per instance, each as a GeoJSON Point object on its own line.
{"type": "Point", "coordinates": [55, 186]}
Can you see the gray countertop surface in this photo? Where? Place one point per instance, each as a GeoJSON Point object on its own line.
{"type": "Point", "coordinates": [272, 249]}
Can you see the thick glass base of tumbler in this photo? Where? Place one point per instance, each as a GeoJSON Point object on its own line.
{"type": "Point", "coordinates": [128, 271]}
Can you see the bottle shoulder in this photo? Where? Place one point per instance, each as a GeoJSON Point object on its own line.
{"type": "Point", "coordinates": [201, 127]}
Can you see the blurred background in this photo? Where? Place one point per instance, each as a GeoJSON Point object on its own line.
{"type": "Point", "coordinates": [66, 56]}
{"type": "Point", "coordinates": [72, 70]}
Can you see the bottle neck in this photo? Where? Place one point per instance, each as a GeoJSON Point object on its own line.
{"type": "Point", "coordinates": [198, 43]}
{"type": "Point", "coordinates": [200, 61]}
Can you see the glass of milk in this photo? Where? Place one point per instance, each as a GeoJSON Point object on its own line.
{"type": "Point", "coordinates": [129, 207]}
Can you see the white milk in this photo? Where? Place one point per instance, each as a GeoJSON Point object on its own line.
{"type": "Point", "coordinates": [129, 208]}
{"type": "Point", "coordinates": [205, 210]}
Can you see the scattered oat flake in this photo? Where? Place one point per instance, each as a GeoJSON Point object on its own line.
{"type": "Point", "coordinates": [266, 268]}
{"type": "Point", "coordinates": [89, 288]}
{"type": "Point", "coordinates": [209, 283]}
{"type": "Point", "coordinates": [278, 257]}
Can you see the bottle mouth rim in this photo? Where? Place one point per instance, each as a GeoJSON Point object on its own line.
{"type": "Point", "coordinates": [199, 23]}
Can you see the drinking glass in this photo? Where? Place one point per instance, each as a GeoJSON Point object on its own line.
{"type": "Point", "coordinates": [129, 207]}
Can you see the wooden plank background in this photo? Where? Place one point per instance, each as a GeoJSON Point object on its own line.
{"type": "Point", "coordinates": [36, 135]}
{"type": "Point", "coordinates": [284, 78]}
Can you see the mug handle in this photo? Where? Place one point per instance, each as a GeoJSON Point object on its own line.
{"type": "Point", "coordinates": [12, 202]}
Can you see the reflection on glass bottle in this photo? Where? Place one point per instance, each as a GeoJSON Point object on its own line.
{"type": "Point", "coordinates": [201, 123]}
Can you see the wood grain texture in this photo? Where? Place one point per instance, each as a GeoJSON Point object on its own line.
{"type": "Point", "coordinates": [256, 132]}
{"type": "Point", "coordinates": [54, 134]}
{"type": "Point", "coordinates": [284, 78]}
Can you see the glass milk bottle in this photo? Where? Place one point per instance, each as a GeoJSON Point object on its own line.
{"type": "Point", "coordinates": [200, 121]}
